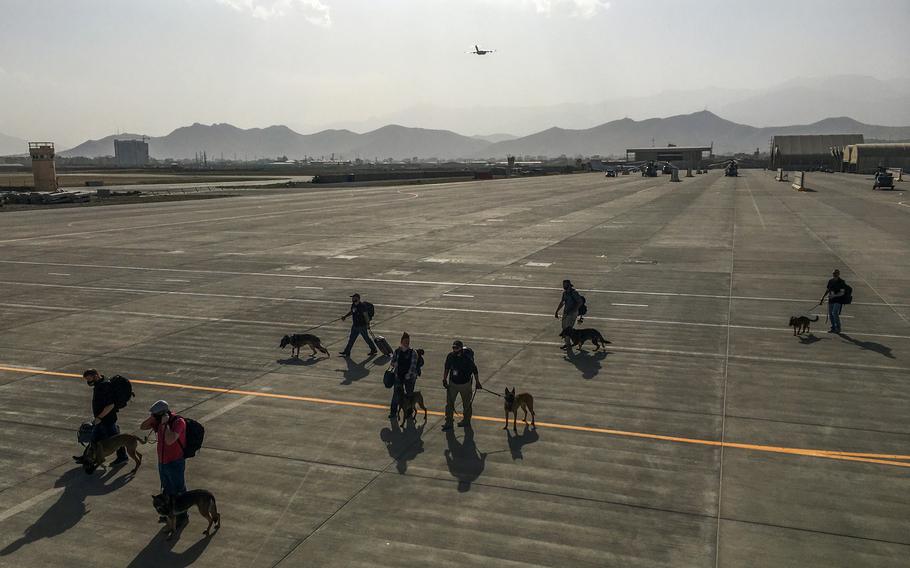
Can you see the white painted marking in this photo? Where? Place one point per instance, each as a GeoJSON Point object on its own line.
{"type": "Point", "coordinates": [171, 252]}
{"type": "Point", "coordinates": [631, 305]}
{"type": "Point", "coordinates": [538, 264]}
{"type": "Point", "coordinates": [438, 282]}
{"type": "Point", "coordinates": [557, 220]}
{"type": "Point", "coordinates": [16, 509]}
{"type": "Point", "coordinates": [297, 268]}
{"type": "Point", "coordinates": [308, 287]}
{"type": "Point", "coordinates": [345, 256]}
{"type": "Point", "coordinates": [226, 408]}
{"type": "Point", "coordinates": [175, 280]}
{"type": "Point", "coordinates": [458, 295]}
{"type": "Point", "coordinates": [437, 260]}
{"type": "Point", "coordinates": [495, 220]}
{"type": "Point", "coordinates": [58, 273]}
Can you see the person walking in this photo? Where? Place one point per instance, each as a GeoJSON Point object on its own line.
{"type": "Point", "coordinates": [171, 432]}
{"type": "Point", "coordinates": [360, 313]}
{"type": "Point", "coordinates": [404, 365]}
{"type": "Point", "coordinates": [569, 304]}
{"type": "Point", "coordinates": [104, 412]}
{"type": "Point", "coordinates": [835, 291]}
{"type": "Point", "coordinates": [456, 379]}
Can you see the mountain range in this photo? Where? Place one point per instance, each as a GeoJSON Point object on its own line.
{"type": "Point", "coordinates": [393, 141]}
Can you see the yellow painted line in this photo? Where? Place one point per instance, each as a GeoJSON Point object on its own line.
{"type": "Point", "coordinates": [883, 459]}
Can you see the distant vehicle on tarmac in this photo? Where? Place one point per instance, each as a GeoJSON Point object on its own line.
{"type": "Point", "coordinates": [610, 174]}
{"type": "Point", "coordinates": [883, 179]}
{"type": "Point", "coordinates": [649, 169]}
{"type": "Point", "coordinates": [667, 169]}
{"type": "Point", "coordinates": [732, 169]}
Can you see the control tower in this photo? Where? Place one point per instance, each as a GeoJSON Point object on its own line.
{"type": "Point", "coordinates": [43, 168]}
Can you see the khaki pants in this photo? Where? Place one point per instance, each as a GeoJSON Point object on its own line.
{"type": "Point", "coordinates": [465, 391]}
{"type": "Point", "coordinates": [568, 320]}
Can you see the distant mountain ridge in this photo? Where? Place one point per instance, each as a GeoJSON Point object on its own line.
{"type": "Point", "coordinates": [12, 146]}
{"type": "Point", "coordinates": [394, 141]}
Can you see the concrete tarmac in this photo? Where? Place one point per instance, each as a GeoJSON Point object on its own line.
{"type": "Point", "coordinates": [706, 435]}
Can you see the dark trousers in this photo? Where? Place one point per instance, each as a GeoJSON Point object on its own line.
{"type": "Point", "coordinates": [401, 387]}
{"type": "Point", "coordinates": [173, 479]}
{"type": "Point", "coordinates": [105, 430]}
{"type": "Point", "coordinates": [362, 332]}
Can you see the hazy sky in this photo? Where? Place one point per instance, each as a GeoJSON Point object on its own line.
{"type": "Point", "coordinates": [77, 69]}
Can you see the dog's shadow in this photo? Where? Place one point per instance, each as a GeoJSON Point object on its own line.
{"type": "Point", "coordinates": [809, 339]}
{"type": "Point", "coordinates": [465, 461]}
{"type": "Point", "coordinates": [518, 441]}
{"type": "Point", "coordinates": [586, 362]}
{"type": "Point", "coordinates": [159, 552]}
{"type": "Point", "coordinates": [403, 445]}
{"type": "Point", "coordinates": [310, 360]}
{"type": "Point", "coordinates": [70, 507]}
{"type": "Point", "coordinates": [869, 346]}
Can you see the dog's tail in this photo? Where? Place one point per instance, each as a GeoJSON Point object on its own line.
{"type": "Point", "coordinates": [815, 319]}
{"type": "Point", "coordinates": [602, 338]}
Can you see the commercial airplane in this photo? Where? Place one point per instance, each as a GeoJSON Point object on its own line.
{"type": "Point", "coordinates": [478, 51]}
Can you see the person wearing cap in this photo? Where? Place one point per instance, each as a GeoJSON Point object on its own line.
{"type": "Point", "coordinates": [834, 291]}
{"type": "Point", "coordinates": [405, 366]}
{"type": "Point", "coordinates": [104, 412]}
{"type": "Point", "coordinates": [171, 432]}
{"type": "Point", "coordinates": [360, 325]}
{"type": "Point", "coordinates": [456, 379]}
{"type": "Point", "coordinates": [569, 304]}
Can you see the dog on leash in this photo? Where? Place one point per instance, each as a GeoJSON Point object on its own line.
{"type": "Point", "coordinates": [408, 403]}
{"type": "Point", "coordinates": [800, 324]}
{"type": "Point", "coordinates": [96, 452]}
{"type": "Point", "coordinates": [579, 336]}
{"type": "Point", "coordinates": [513, 402]}
{"type": "Point", "coordinates": [298, 340]}
{"type": "Point", "coordinates": [169, 506]}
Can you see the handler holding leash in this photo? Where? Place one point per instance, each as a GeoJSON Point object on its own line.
{"type": "Point", "coordinates": [569, 304]}
{"type": "Point", "coordinates": [836, 292]}
{"type": "Point", "coordinates": [104, 411]}
{"type": "Point", "coordinates": [456, 379]}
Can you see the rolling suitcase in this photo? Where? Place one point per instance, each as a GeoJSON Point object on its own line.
{"type": "Point", "coordinates": [381, 344]}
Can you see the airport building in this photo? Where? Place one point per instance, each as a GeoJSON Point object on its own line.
{"type": "Point", "coordinates": [131, 152]}
{"type": "Point", "coordinates": [43, 168]}
{"type": "Point", "coordinates": [807, 151]}
{"type": "Point", "coordinates": [866, 158]}
{"type": "Point", "coordinates": [680, 156]}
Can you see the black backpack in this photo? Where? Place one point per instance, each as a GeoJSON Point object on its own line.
{"type": "Point", "coordinates": [122, 391]}
{"type": "Point", "coordinates": [195, 433]}
{"type": "Point", "coordinates": [847, 298]}
{"type": "Point", "coordinates": [468, 352]}
{"type": "Point", "coordinates": [582, 305]}
{"type": "Point", "coordinates": [371, 310]}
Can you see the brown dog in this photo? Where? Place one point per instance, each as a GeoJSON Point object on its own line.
{"type": "Point", "coordinates": [96, 452]}
{"type": "Point", "coordinates": [512, 403]}
{"type": "Point", "coordinates": [800, 324]}
{"type": "Point", "coordinates": [408, 403]}
{"type": "Point", "coordinates": [298, 340]}
{"type": "Point", "coordinates": [170, 506]}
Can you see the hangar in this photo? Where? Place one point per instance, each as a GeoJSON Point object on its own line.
{"type": "Point", "coordinates": [805, 151]}
{"type": "Point", "coordinates": [866, 158]}
{"type": "Point", "coordinates": [685, 156]}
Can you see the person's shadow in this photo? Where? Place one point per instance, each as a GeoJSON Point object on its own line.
{"type": "Point", "coordinates": [465, 462]}
{"type": "Point", "coordinates": [69, 508]}
{"type": "Point", "coordinates": [403, 445]}
{"type": "Point", "coordinates": [586, 362]}
{"type": "Point", "coordinates": [354, 370]}
{"type": "Point", "coordinates": [869, 346]}
{"type": "Point", "coordinates": [159, 552]}
{"type": "Point", "coordinates": [519, 441]}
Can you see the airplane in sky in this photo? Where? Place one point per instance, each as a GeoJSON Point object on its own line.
{"type": "Point", "coordinates": [478, 51]}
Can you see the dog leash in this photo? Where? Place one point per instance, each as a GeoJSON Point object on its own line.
{"type": "Point", "coordinates": [489, 391]}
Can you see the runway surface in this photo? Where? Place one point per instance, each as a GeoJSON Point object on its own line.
{"type": "Point", "coordinates": [706, 435]}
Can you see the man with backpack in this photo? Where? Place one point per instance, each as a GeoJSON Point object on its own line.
{"type": "Point", "coordinates": [104, 411]}
{"type": "Point", "coordinates": [172, 443]}
{"type": "Point", "coordinates": [456, 379]}
{"type": "Point", "coordinates": [572, 305]}
{"type": "Point", "coordinates": [406, 364]}
{"type": "Point", "coordinates": [838, 293]}
{"type": "Point", "coordinates": [361, 313]}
